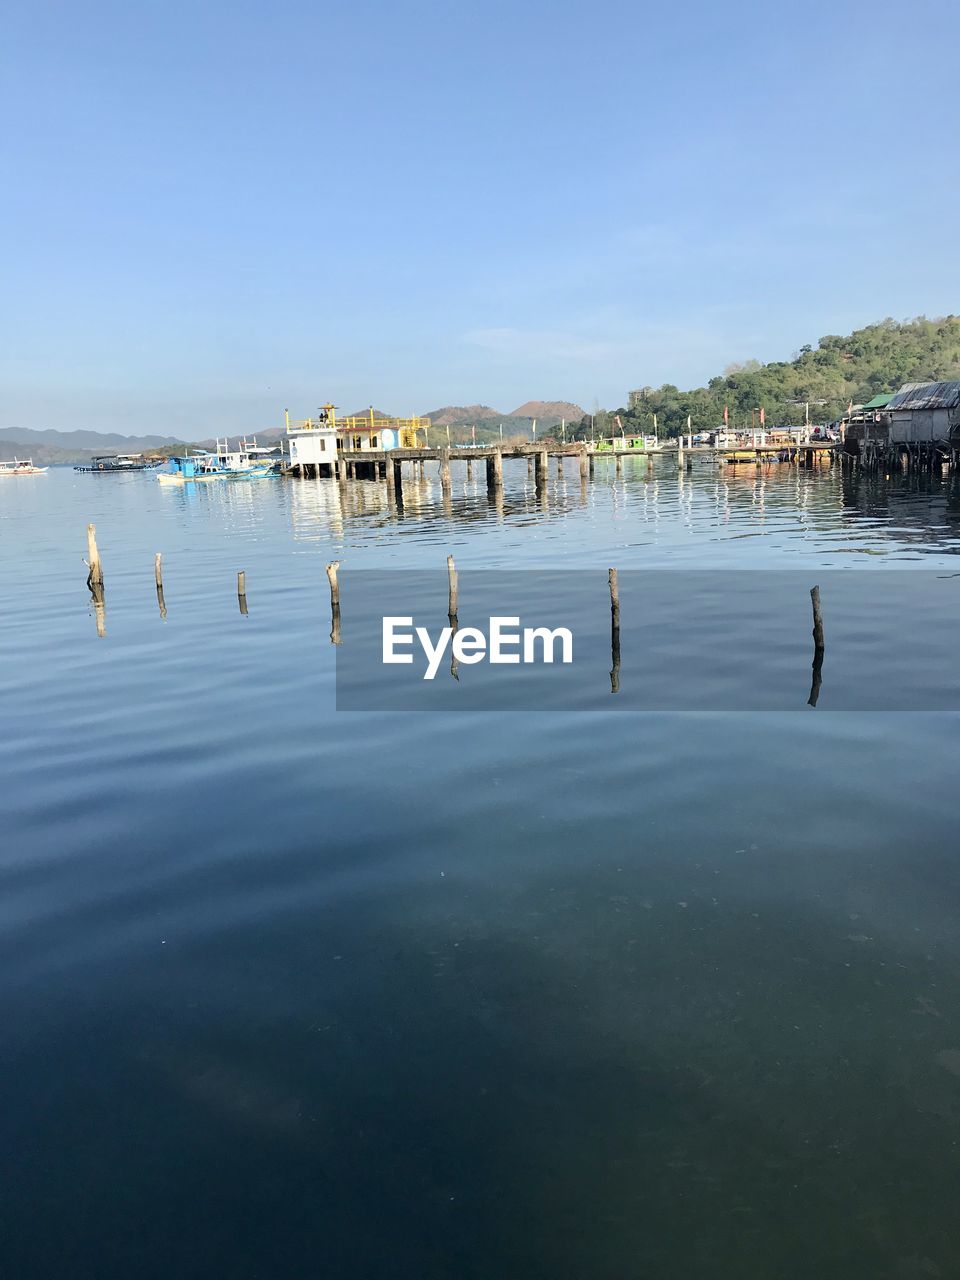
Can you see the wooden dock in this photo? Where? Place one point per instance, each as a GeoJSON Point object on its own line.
{"type": "Point", "coordinates": [387, 465]}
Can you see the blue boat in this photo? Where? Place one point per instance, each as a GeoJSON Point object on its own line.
{"type": "Point", "coordinates": [246, 462]}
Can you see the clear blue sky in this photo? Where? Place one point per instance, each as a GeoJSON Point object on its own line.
{"type": "Point", "coordinates": [214, 211]}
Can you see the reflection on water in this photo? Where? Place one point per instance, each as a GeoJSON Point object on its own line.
{"type": "Point", "coordinates": [293, 993]}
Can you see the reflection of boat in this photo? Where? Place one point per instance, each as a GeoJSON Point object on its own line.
{"type": "Point", "coordinates": [113, 462]}
{"type": "Point", "coordinates": [20, 467]}
{"type": "Point", "coordinates": [246, 462]}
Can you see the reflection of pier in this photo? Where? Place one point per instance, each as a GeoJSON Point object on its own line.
{"type": "Point", "coordinates": [387, 465]}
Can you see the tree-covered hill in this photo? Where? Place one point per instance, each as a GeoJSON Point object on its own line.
{"type": "Point", "coordinates": [828, 377]}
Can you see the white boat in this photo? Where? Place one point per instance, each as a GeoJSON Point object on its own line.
{"type": "Point", "coordinates": [21, 467]}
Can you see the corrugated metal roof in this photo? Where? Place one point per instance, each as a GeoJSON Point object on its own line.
{"type": "Point", "coordinates": [878, 402]}
{"type": "Point", "coordinates": [927, 395]}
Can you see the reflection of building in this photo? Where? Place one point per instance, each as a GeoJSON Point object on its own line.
{"type": "Point", "coordinates": [316, 510]}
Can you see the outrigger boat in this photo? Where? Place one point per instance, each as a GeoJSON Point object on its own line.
{"type": "Point", "coordinates": [113, 462]}
{"type": "Point", "coordinates": [247, 462]}
{"type": "Point", "coordinates": [21, 467]}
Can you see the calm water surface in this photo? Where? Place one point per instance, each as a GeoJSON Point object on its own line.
{"type": "Point", "coordinates": [296, 993]}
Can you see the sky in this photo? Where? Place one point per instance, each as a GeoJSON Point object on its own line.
{"type": "Point", "coordinates": [212, 212]}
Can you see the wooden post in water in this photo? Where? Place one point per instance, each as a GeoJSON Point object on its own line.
{"type": "Point", "coordinates": [445, 469]}
{"type": "Point", "coordinates": [95, 568]}
{"type": "Point", "coordinates": [469, 468]}
{"type": "Point", "coordinates": [95, 580]}
{"type": "Point", "coordinates": [679, 453]}
{"type": "Point", "coordinates": [529, 465]}
{"type": "Point", "coordinates": [452, 589]}
{"type": "Point", "coordinates": [619, 460]}
{"type": "Point", "coordinates": [614, 631]}
{"type": "Point", "coordinates": [453, 602]}
{"type": "Point", "coordinates": [332, 579]}
{"type": "Point", "coordinates": [584, 463]}
{"type": "Point", "coordinates": [614, 597]}
{"type": "Point", "coordinates": [818, 648]}
{"type": "Point", "coordinates": [494, 471]}
{"type": "Point", "coordinates": [334, 601]}
{"type": "Point", "coordinates": [817, 618]}
{"type": "Point", "coordinates": [158, 578]}
{"type": "Point", "coordinates": [540, 466]}
{"type": "Point", "coordinates": [242, 591]}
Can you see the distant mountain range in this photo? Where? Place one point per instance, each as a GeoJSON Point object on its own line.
{"type": "Point", "coordinates": [52, 446]}
{"type": "Point", "coordinates": [74, 446]}
{"type": "Point", "coordinates": [548, 413]}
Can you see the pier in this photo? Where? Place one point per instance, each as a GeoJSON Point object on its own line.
{"type": "Point", "coordinates": [387, 464]}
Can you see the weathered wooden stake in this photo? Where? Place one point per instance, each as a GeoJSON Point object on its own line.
{"type": "Point", "coordinates": [529, 465]}
{"type": "Point", "coordinates": [95, 573]}
{"type": "Point", "coordinates": [540, 466]}
{"type": "Point", "coordinates": [158, 578]}
{"type": "Point", "coordinates": [334, 584]}
{"type": "Point", "coordinates": [242, 591]}
{"type": "Point", "coordinates": [584, 462]}
{"type": "Point", "coordinates": [816, 677]}
{"type": "Point", "coordinates": [817, 618]}
{"type": "Point", "coordinates": [469, 468]}
{"type": "Point", "coordinates": [445, 469]}
{"type": "Point", "coordinates": [614, 631]}
{"type": "Point", "coordinates": [614, 596]}
{"type": "Point", "coordinates": [453, 588]}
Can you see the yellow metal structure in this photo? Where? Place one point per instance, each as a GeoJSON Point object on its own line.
{"type": "Point", "coordinates": [407, 430]}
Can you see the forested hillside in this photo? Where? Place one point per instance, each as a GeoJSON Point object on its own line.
{"type": "Point", "coordinates": [828, 377]}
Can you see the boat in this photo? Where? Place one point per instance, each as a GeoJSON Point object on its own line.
{"type": "Point", "coordinates": [627, 444]}
{"type": "Point", "coordinates": [21, 467]}
{"type": "Point", "coordinates": [113, 462]}
{"type": "Point", "coordinates": [246, 462]}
